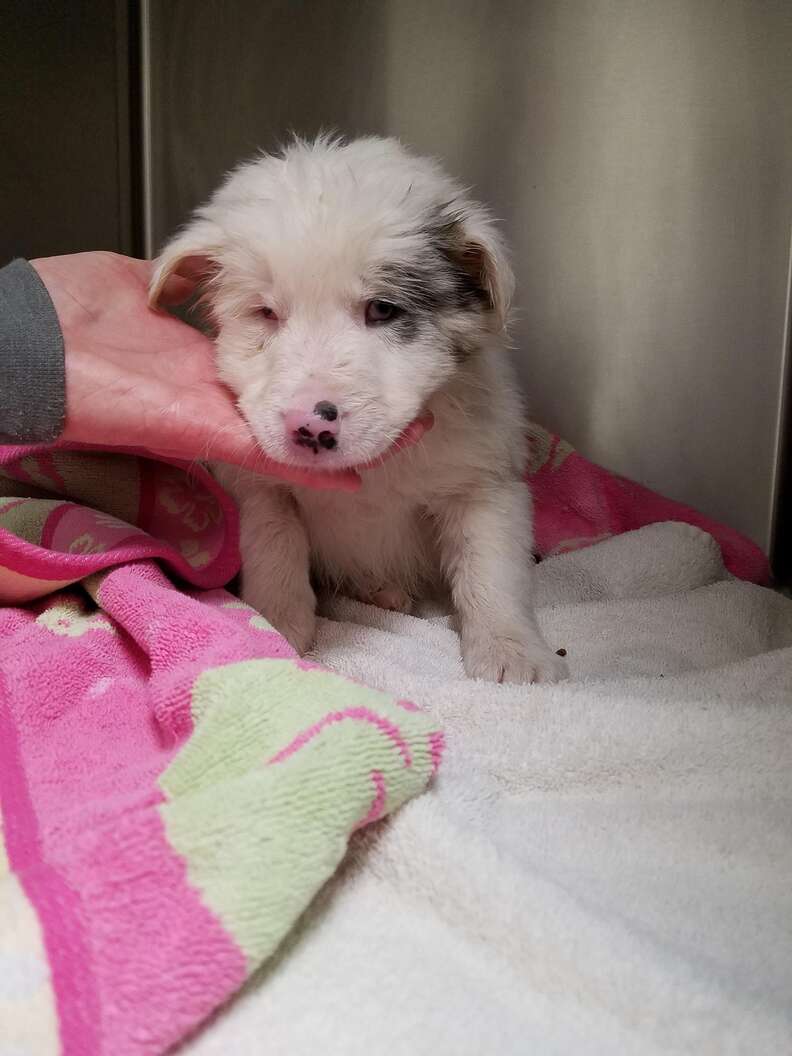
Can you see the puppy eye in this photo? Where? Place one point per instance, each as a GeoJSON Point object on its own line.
{"type": "Point", "coordinates": [381, 312]}
{"type": "Point", "coordinates": [267, 313]}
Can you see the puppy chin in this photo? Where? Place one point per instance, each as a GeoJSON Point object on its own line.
{"type": "Point", "coordinates": [318, 461]}
{"type": "Point", "coordinates": [350, 454]}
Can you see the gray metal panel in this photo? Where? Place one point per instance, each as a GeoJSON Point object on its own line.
{"type": "Point", "coordinates": [640, 154]}
{"type": "Point", "coordinates": [229, 79]}
{"type": "Point", "coordinates": [65, 180]}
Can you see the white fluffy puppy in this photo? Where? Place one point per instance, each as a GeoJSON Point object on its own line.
{"type": "Point", "coordinates": [353, 287]}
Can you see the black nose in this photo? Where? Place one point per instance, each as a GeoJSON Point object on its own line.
{"type": "Point", "coordinates": [326, 410]}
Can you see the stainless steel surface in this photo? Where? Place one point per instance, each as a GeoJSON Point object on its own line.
{"type": "Point", "coordinates": [146, 178]}
{"type": "Point", "coordinates": [638, 151]}
{"type": "Point", "coordinates": [65, 174]}
{"type": "Point", "coordinates": [781, 549]}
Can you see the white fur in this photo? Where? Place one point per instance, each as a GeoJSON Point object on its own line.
{"type": "Point", "coordinates": [310, 235]}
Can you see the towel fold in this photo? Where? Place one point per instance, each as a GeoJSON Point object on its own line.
{"type": "Point", "coordinates": [176, 784]}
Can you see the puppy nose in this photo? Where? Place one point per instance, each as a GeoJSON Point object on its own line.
{"type": "Point", "coordinates": [315, 429]}
{"type": "Point", "coordinates": [326, 410]}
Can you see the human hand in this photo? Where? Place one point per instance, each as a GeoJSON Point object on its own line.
{"type": "Point", "coordinates": [144, 379]}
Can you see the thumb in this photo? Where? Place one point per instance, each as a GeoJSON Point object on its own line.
{"type": "Point", "coordinates": [236, 450]}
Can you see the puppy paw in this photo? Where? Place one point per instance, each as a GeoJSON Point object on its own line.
{"type": "Point", "coordinates": [298, 628]}
{"type": "Point", "coordinates": [295, 620]}
{"type": "Point", "coordinates": [392, 598]}
{"type": "Point", "coordinates": [516, 656]}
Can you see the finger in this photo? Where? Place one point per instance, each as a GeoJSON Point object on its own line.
{"type": "Point", "coordinates": [330, 480]}
{"type": "Point", "coordinates": [249, 456]}
{"type": "Point", "coordinates": [252, 458]}
{"type": "Point", "coordinates": [410, 435]}
{"type": "Point", "coordinates": [141, 268]}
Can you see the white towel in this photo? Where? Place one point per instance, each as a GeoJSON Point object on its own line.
{"type": "Point", "coordinates": [603, 866]}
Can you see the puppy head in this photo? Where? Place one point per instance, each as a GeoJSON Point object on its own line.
{"type": "Point", "coordinates": [347, 284]}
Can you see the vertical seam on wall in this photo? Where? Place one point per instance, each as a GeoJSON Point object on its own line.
{"type": "Point", "coordinates": [147, 188]}
{"type": "Point", "coordinates": [783, 444]}
{"type": "Point", "coordinates": [123, 28]}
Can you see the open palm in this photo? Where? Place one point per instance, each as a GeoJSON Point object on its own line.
{"type": "Point", "coordinates": [141, 378]}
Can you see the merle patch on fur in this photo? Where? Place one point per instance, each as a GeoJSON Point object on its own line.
{"type": "Point", "coordinates": [405, 328]}
{"type": "Point", "coordinates": [462, 352]}
{"type": "Point", "coordinates": [326, 410]}
{"type": "Point", "coordinates": [446, 276]}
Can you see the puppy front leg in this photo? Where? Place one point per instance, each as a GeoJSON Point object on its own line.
{"type": "Point", "coordinates": [485, 542]}
{"type": "Point", "coordinates": [275, 576]}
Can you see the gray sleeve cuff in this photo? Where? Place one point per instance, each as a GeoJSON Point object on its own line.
{"type": "Point", "coordinates": [32, 370]}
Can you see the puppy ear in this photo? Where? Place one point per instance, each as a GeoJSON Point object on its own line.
{"type": "Point", "coordinates": [478, 250]}
{"type": "Point", "coordinates": [189, 260]}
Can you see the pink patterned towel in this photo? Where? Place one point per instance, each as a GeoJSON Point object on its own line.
{"type": "Point", "coordinates": [577, 503]}
{"type": "Point", "coordinates": [175, 783]}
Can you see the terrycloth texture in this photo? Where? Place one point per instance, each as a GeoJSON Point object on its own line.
{"type": "Point", "coordinates": [602, 867]}
{"type": "Point", "coordinates": [65, 515]}
{"type": "Point", "coordinates": [175, 784]}
{"type": "Point", "coordinates": [578, 503]}
{"type": "Point", "coordinates": [154, 864]}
